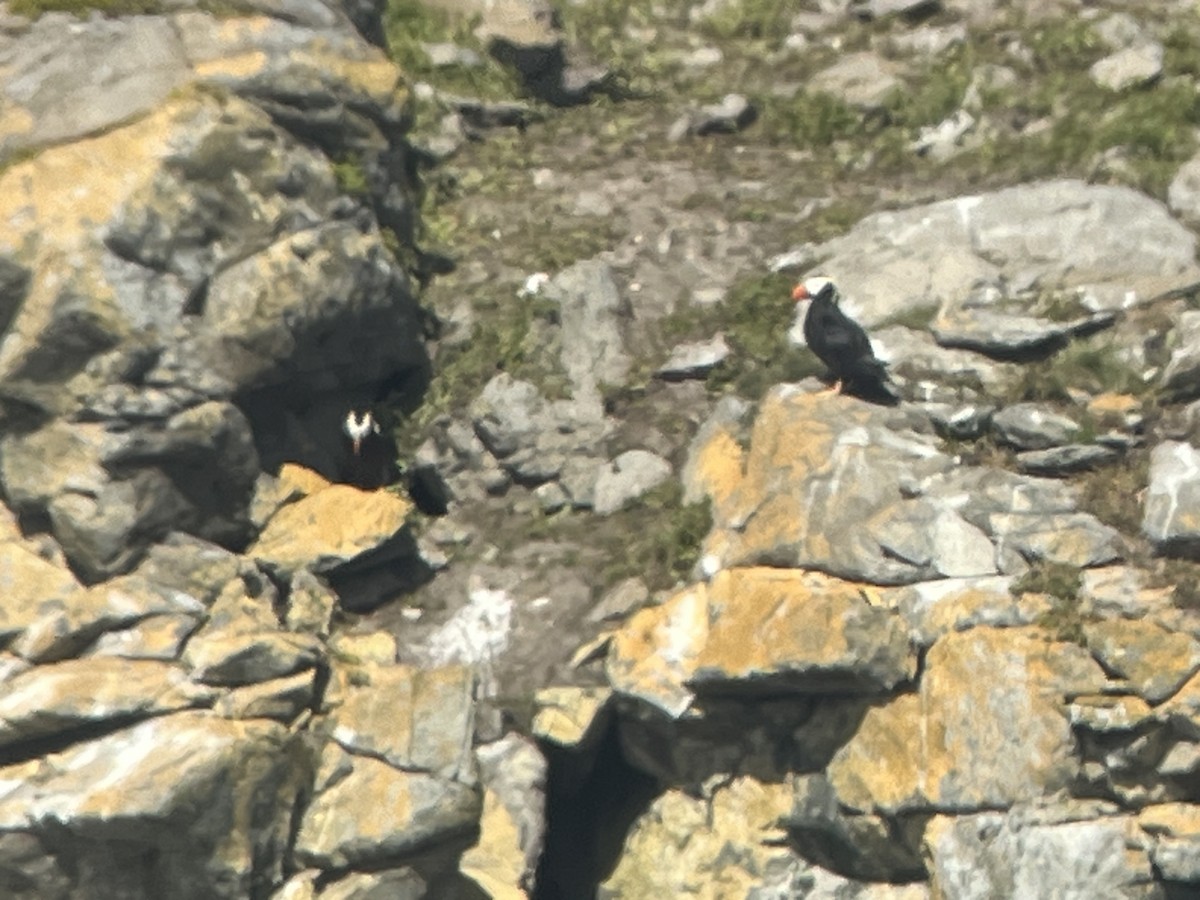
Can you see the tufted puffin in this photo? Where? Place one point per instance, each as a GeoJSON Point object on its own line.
{"type": "Point", "coordinates": [840, 343]}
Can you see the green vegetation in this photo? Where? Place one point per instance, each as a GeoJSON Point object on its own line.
{"type": "Point", "coordinates": [1183, 577]}
{"type": "Point", "coordinates": [35, 8]}
{"type": "Point", "coordinates": [408, 24]}
{"type": "Point", "coordinates": [807, 120]}
{"type": "Point", "coordinates": [1110, 494]}
{"type": "Point", "coordinates": [1091, 364]}
{"type": "Point", "coordinates": [351, 177]}
{"type": "Point", "coordinates": [1060, 582]}
{"type": "Point", "coordinates": [659, 539]}
{"type": "Point", "coordinates": [749, 20]}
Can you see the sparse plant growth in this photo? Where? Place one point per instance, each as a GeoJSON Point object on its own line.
{"type": "Point", "coordinates": [1183, 577]}
{"type": "Point", "coordinates": [1094, 364]}
{"type": "Point", "coordinates": [1060, 582]}
{"type": "Point", "coordinates": [1110, 494]}
{"type": "Point", "coordinates": [35, 8]}
{"type": "Point", "coordinates": [660, 539]}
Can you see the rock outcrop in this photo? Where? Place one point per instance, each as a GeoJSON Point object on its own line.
{"type": "Point", "coordinates": [647, 613]}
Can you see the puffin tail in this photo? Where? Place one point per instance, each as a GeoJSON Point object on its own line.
{"type": "Point", "coordinates": [876, 386]}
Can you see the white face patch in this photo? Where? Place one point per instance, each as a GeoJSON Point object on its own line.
{"type": "Point", "coordinates": [358, 425]}
{"type": "Point", "coordinates": [816, 284]}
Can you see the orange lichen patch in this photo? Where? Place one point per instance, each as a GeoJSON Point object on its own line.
{"type": "Point", "coordinates": [1178, 820]}
{"type": "Point", "coordinates": [1156, 661]}
{"type": "Point", "coordinates": [766, 622]}
{"type": "Point", "coordinates": [377, 76]}
{"type": "Point", "coordinates": [883, 766]}
{"type": "Point", "coordinates": [954, 744]}
{"type": "Point", "coordinates": [300, 480]}
{"type": "Point", "coordinates": [338, 522]}
{"type": "Point", "coordinates": [716, 469]}
{"type": "Point", "coordinates": [655, 652]}
{"type": "Point", "coordinates": [239, 65]}
{"type": "Point", "coordinates": [1112, 408]}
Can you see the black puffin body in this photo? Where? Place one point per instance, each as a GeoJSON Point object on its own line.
{"type": "Point", "coordinates": [371, 462]}
{"type": "Point", "coordinates": [840, 343]}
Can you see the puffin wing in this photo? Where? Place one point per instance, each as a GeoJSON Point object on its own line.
{"type": "Point", "coordinates": [838, 340]}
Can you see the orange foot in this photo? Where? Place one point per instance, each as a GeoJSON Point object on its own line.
{"type": "Point", "coordinates": [835, 388]}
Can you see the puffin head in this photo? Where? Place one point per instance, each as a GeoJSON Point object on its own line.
{"type": "Point", "coordinates": [815, 287]}
{"type": "Point", "coordinates": [358, 426]}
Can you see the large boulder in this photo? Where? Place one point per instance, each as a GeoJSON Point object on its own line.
{"type": "Point", "coordinates": [190, 800]}
{"type": "Point", "coordinates": [150, 306]}
{"type": "Point", "coordinates": [868, 494]}
{"type": "Point", "coordinates": [1106, 244]}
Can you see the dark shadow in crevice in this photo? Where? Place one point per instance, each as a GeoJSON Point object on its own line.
{"type": "Point", "coordinates": [589, 811]}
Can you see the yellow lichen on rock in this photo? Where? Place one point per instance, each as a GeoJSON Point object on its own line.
{"type": "Point", "coordinates": [335, 523]}
{"type": "Point", "coordinates": [716, 468]}
{"type": "Point", "coordinates": [655, 652]}
{"type": "Point", "coordinates": [684, 846]}
{"type": "Point", "coordinates": [496, 862]}
{"type": "Point", "coordinates": [988, 727]}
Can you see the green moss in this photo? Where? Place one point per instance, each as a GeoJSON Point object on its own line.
{"type": "Point", "coordinates": [1061, 583]}
{"type": "Point", "coordinates": [659, 539]}
{"type": "Point", "coordinates": [34, 8]}
{"type": "Point", "coordinates": [806, 120]}
{"type": "Point", "coordinates": [1094, 365]}
{"type": "Point", "coordinates": [1110, 493]}
{"type": "Point", "coordinates": [935, 93]}
{"type": "Point", "coordinates": [351, 177]}
{"type": "Point", "coordinates": [749, 20]}
{"type": "Point", "coordinates": [408, 24]}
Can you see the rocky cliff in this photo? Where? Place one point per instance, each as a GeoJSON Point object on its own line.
{"type": "Point", "coordinates": [630, 606]}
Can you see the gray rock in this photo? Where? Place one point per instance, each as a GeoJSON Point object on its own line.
{"type": "Point", "coordinates": [627, 477]}
{"type": "Point", "coordinates": [943, 140]}
{"type": "Point", "coordinates": [930, 41]}
{"type": "Point", "coordinates": [59, 698]}
{"type": "Point", "coordinates": [934, 608]}
{"type": "Point", "coordinates": [221, 658]}
{"type": "Point", "coordinates": [141, 782]}
{"type": "Point", "coordinates": [532, 437]}
{"type": "Point", "coordinates": [1119, 30]}
{"type": "Point", "coordinates": [72, 78]}
{"type": "Point", "coordinates": [1171, 516]}
{"type": "Point", "coordinates": [375, 814]}
{"type": "Point", "coordinates": [878, 9]}
{"type": "Point", "coordinates": [1183, 193]}
{"type": "Point", "coordinates": [991, 322]}
{"type": "Point", "coordinates": [694, 360]}
{"type": "Point", "coordinates": [1006, 855]}
{"type": "Point", "coordinates": [621, 601]}
{"type": "Point", "coordinates": [1113, 244]}
{"type": "Point", "coordinates": [1066, 459]}
{"type": "Point", "coordinates": [1029, 426]}
{"type": "Point", "coordinates": [590, 314]}
{"type": "Point", "coordinates": [934, 372]}
{"type": "Point", "coordinates": [1137, 65]}
{"type": "Point", "coordinates": [1181, 376]}
{"type": "Point", "coordinates": [934, 539]}
{"type": "Point", "coordinates": [733, 113]}
{"type": "Point", "coordinates": [863, 80]}
{"type": "Point", "coordinates": [281, 699]}
{"type": "Point", "coordinates": [960, 422]}
{"type": "Point", "coordinates": [103, 524]}
{"type": "Point", "coordinates": [1177, 859]}
{"type": "Point", "coordinates": [514, 772]}
{"type": "Point", "coordinates": [390, 884]}
{"type": "Point", "coordinates": [551, 496]}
